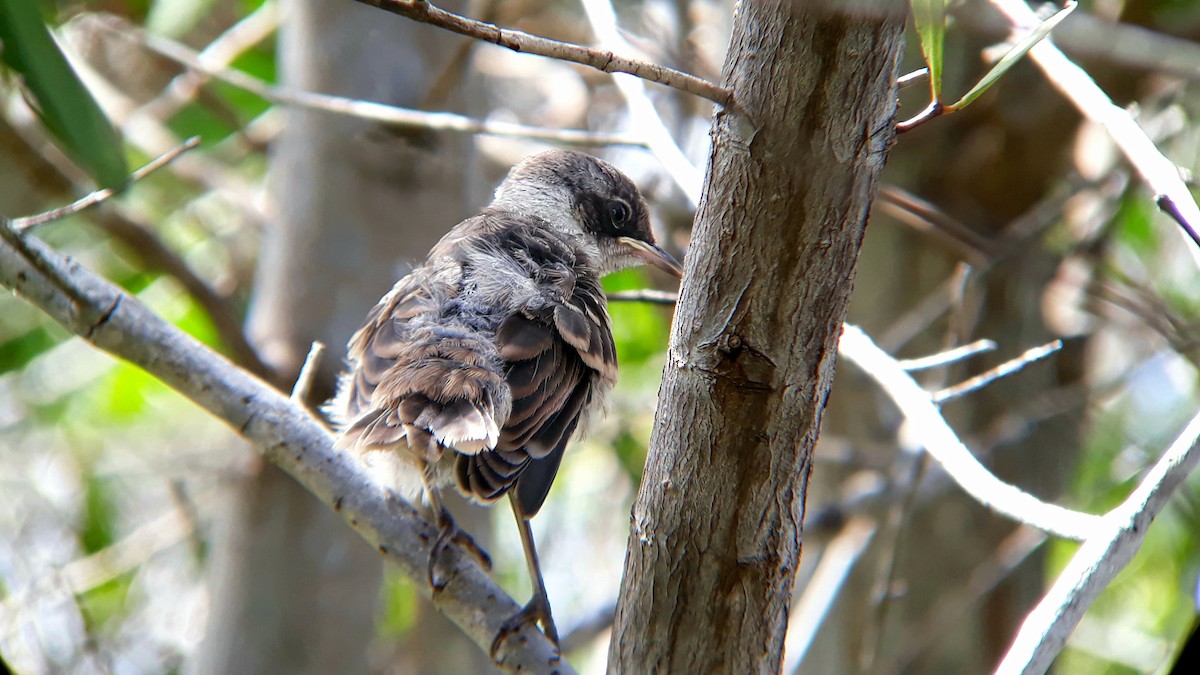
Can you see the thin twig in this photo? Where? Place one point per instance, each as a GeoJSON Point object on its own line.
{"type": "Point", "coordinates": [1160, 174]}
{"type": "Point", "coordinates": [948, 356]}
{"type": "Point", "coordinates": [308, 373]}
{"type": "Point", "coordinates": [644, 295]}
{"type": "Point", "coordinates": [925, 217]}
{"type": "Point", "coordinates": [20, 225]}
{"type": "Point", "coordinates": [934, 109]}
{"type": "Point", "coordinates": [918, 75]}
{"type": "Point", "coordinates": [1003, 370]}
{"type": "Point", "coordinates": [369, 110]}
{"type": "Point", "coordinates": [518, 41]}
{"type": "Point", "coordinates": [936, 303]}
{"type": "Point", "coordinates": [943, 444]}
{"type": "Point", "coordinates": [1096, 563]}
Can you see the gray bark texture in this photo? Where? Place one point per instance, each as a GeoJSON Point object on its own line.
{"type": "Point", "coordinates": [715, 538]}
{"type": "Point", "coordinates": [293, 589]}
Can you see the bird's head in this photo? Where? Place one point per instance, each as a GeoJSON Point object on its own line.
{"type": "Point", "coordinates": [591, 200]}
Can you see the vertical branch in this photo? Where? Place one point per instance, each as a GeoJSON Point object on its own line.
{"type": "Point", "coordinates": [715, 538]}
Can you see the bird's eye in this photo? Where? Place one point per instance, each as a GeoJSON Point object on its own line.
{"type": "Point", "coordinates": [618, 212]}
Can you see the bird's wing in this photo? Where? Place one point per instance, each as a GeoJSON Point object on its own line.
{"type": "Point", "coordinates": [411, 369]}
{"type": "Point", "coordinates": [559, 352]}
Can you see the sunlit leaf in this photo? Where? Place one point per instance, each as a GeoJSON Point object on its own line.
{"type": "Point", "coordinates": [930, 19]}
{"type": "Point", "coordinates": [1018, 50]}
{"type": "Point", "coordinates": [58, 96]}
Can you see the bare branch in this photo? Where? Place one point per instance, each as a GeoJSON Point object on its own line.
{"type": "Point", "coordinates": [644, 295]}
{"type": "Point", "coordinates": [518, 41]}
{"type": "Point", "coordinates": [377, 112]}
{"type": "Point", "coordinates": [1003, 370]}
{"type": "Point", "coordinates": [308, 373]}
{"type": "Point", "coordinates": [934, 109]}
{"type": "Point", "coordinates": [948, 356]}
{"type": "Point", "coordinates": [1096, 563]}
{"type": "Point", "coordinates": [908, 80]}
{"type": "Point", "coordinates": [1160, 174]}
{"type": "Point", "coordinates": [943, 444]}
{"type": "Point", "coordinates": [20, 225]}
{"type": "Point", "coordinates": [286, 433]}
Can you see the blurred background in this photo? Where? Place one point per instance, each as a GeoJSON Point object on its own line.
{"type": "Point", "coordinates": [138, 535]}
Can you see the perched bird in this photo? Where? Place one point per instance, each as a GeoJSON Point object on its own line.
{"type": "Point", "coordinates": [476, 368]}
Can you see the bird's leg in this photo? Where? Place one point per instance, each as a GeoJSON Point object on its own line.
{"type": "Point", "coordinates": [538, 608]}
{"type": "Point", "coordinates": [448, 532]}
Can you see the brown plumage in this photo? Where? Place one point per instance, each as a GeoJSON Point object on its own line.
{"type": "Point", "coordinates": [478, 367]}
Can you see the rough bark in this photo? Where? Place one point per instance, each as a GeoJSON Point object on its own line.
{"type": "Point", "coordinates": [715, 538]}
{"type": "Point", "coordinates": [294, 590]}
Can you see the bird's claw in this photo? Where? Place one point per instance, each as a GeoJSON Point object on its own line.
{"type": "Point", "coordinates": [537, 611]}
{"type": "Point", "coordinates": [449, 533]}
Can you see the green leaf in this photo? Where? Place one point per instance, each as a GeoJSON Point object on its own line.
{"type": "Point", "coordinates": [58, 96]}
{"type": "Point", "coordinates": [930, 19]}
{"type": "Point", "coordinates": [1008, 60]}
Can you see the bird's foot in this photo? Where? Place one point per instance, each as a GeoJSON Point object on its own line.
{"type": "Point", "coordinates": [537, 611]}
{"type": "Point", "coordinates": [449, 533]}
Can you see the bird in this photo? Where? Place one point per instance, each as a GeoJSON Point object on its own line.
{"type": "Point", "coordinates": [476, 369]}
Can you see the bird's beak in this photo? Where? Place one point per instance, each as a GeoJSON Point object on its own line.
{"type": "Point", "coordinates": [654, 255]}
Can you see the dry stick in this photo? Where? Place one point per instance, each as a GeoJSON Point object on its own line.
{"type": "Point", "coordinates": [1160, 174]}
{"type": "Point", "coordinates": [308, 373]}
{"type": "Point", "coordinates": [927, 218]}
{"type": "Point", "coordinates": [369, 110]}
{"type": "Point", "coordinates": [906, 81]}
{"type": "Point", "coordinates": [20, 225]}
{"type": "Point", "coordinates": [286, 433]}
{"type": "Point", "coordinates": [644, 295]}
{"type": "Point", "coordinates": [1046, 629]}
{"type": "Point", "coordinates": [1004, 369]}
{"type": "Point", "coordinates": [943, 445]}
{"type": "Point", "coordinates": [947, 357]}
{"type": "Point", "coordinates": [518, 41]}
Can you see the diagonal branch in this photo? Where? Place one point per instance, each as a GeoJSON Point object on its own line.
{"type": "Point", "coordinates": [284, 431]}
{"type": "Point", "coordinates": [1100, 559]}
{"type": "Point", "coordinates": [518, 41]}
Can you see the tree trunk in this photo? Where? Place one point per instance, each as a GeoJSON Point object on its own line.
{"type": "Point", "coordinates": [294, 589]}
{"type": "Point", "coordinates": [715, 538]}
